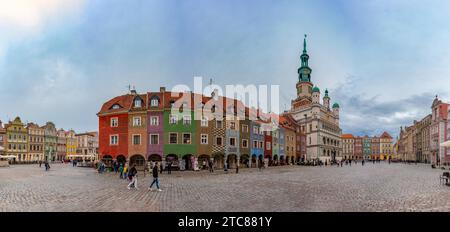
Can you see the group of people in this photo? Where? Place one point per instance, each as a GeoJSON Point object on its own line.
{"type": "Point", "coordinates": [133, 176]}
{"type": "Point", "coordinates": [46, 165]}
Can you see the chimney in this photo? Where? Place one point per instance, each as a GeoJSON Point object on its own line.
{"type": "Point", "coordinates": [162, 89]}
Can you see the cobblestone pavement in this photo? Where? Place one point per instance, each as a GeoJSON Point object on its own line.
{"type": "Point", "coordinates": [374, 187]}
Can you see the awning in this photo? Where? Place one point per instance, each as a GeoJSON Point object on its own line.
{"type": "Point", "coordinates": [7, 156]}
{"type": "Point", "coordinates": [81, 156]}
{"type": "Point", "coordinates": [445, 144]}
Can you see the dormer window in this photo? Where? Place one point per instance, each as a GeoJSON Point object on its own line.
{"type": "Point", "coordinates": [138, 103]}
{"type": "Point", "coordinates": [154, 102]}
{"type": "Point", "coordinates": [115, 106]}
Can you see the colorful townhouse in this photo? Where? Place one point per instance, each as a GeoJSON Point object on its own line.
{"type": "Point", "coordinates": [204, 130]}
{"type": "Point", "coordinates": [275, 145]}
{"type": "Point", "coordinates": [358, 148]}
{"type": "Point", "coordinates": [113, 128]}
{"type": "Point", "coordinates": [282, 145]}
{"type": "Point", "coordinates": [35, 141]}
{"type": "Point", "coordinates": [232, 134]}
{"type": "Point", "coordinates": [179, 130]}
{"type": "Point", "coordinates": [17, 140]}
{"type": "Point", "coordinates": [257, 140]}
{"type": "Point", "coordinates": [137, 130]}
{"type": "Point", "coordinates": [289, 140]}
{"type": "Point", "coordinates": [87, 146]}
{"type": "Point", "coordinates": [268, 146]}
{"type": "Point", "coordinates": [367, 147]}
{"type": "Point", "coordinates": [216, 105]}
{"type": "Point", "coordinates": [61, 149]}
{"type": "Point", "coordinates": [386, 147]}
{"type": "Point", "coordinates": [245, 140]}
{"type": "Point", "coordinates": [71, 142]}
{"type": "Point", "coordinates": [375, 148]}
{"type": "Point", "coordinates": [155, 124]}
{"type": "Point", "coordinates": [50, 142]}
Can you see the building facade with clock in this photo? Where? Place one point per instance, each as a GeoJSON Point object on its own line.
{"type": "Point", "coordinates": [315, 118]}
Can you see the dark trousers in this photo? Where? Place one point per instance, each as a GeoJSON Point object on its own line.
{"type": "Point", "coordinates": [155, 181]}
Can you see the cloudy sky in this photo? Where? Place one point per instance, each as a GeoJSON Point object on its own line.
{"type": "Point", "coordinates": [383, 61]}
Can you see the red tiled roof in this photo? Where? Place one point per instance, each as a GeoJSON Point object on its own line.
{"type": "Point", "coordinates": [386, 135]}
{"type": "Point", "coordinates": [347, 136]}
{"type": "Point", "coordinates": [123, 101]}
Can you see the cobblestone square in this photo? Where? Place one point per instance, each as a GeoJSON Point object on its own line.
{"type": "Point", "coordinates": [373, 187]}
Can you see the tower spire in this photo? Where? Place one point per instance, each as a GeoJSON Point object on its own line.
{"type": "Point", "coordinates": [304, 45]}
{"type": "Point", "coordinates": [304, 72]}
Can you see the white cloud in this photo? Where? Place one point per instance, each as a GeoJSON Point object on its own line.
{"type": "Point", "coordinates": [24, 18]}
{"type": "Point", "coordinates": [26, 13]}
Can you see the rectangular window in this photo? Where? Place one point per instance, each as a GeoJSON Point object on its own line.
{"type": "Point", "coordinates": [173, 119]}
{"type": "Point", "coordinates": [154, 120]}
{"type": "Point", "coordinates": [137, 121]}
{"type": "Point", "coordinates": [245, 128]}
{"type": "Point", "coordinates": [255, 144]}
{"type": "Point", "coordinates": [232, 125]}
{"type": "Point", "coordinates": [204, 122]}
{"type": "Point", "coordinates": [219, 141]}
{"type": "Point", "coordinates": [114, 140]}
{"type": "Point", "coordinates": [233, 142]}
{"type": "Point", "coordinates": [136, 139]}
{"type": "Point", "coordinates": [245, 143]}
{"type": "Point", "coordinates": [268, 146]}
{"type": "Point", "coordinates": [154, 102]}
{"type": "Point", "coordinates": [137, 103]}
{"type": "Point", "coordinates": [114, 122]}
{"type": "Point", "coordinates": [186, 138]}
{"type": "Point", "coordinates": [173, 138]}
{"type": "Point", "coordinates": [261, 144]}
{"type": "Point", "coordinates": [255, 130]}
{"type": "Point", "coordinates": [219, 123]}
{"type": "Point", "coordinates": [204, 139]}
{"type": "Point", "coordinates": [154, 139]}
{"type": "Point", "coordinates": [187, 120]}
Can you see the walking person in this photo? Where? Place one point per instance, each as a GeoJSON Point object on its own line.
{"type": "Point", "coordinates": [133, 175]}
{"type": "Point", "coordinates": [161, 167]}
{"type": "Point", "coordinates": [40, 163]}
{"type": "Point", "coordinates": [155, 178]}
{"type": "Point", "coordinates": [169, 167]}
{"type": "Point", "coordinates": [125, 172]}
{"type": "Point", "coordinates": [362, 162]}
{"type": "Point", "coordinates": [237, 168]}
{"type": "Point", "coordinates": [116, 167]}
{"type": "Point", "coordinates": [121, 171]}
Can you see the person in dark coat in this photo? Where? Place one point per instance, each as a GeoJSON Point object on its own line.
{"type": "Point", "coordinates": [134, 175]}
{"type": "Point", "coordinates": [169, 167]}
{"type": "Point", "coordinates": [155, 173]}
